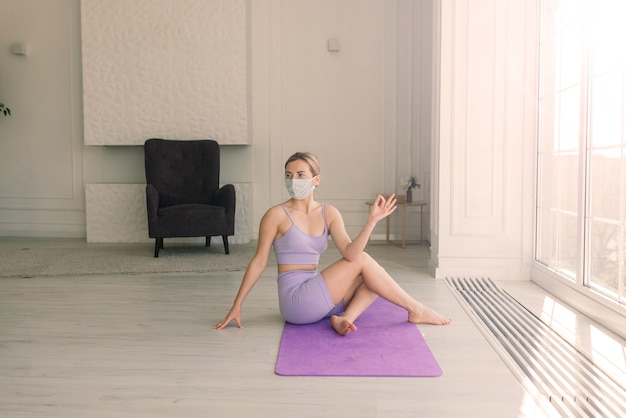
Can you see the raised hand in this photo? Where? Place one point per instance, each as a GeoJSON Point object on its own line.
{"type": "Point", "coordinates": [383, 207]}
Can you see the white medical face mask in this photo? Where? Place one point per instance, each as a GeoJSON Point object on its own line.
{"type": "Point", "coordinates": [299, 188]}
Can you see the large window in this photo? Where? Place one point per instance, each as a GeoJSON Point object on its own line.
{"type": "Point", "coordinates": [581, 153]}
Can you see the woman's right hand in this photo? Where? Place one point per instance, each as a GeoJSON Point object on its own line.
{"type": "Point", "coordinates": [235, 314]}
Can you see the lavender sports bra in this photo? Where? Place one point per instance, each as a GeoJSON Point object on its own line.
{"type": "Point", "coordinates": [297, 247]}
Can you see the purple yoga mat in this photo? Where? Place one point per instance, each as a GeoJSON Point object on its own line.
{"type": "Point", "coordinates": [385, 344]}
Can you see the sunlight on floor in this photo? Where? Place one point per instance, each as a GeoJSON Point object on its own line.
{"type": "Point", "coordinates": [604, 348]}
{"type": "Point", "coordinates": [601, 345]}
{"type": "Point", "coordinates": [559, 318]}
{"type": "Point", "coordinates": [530, 407]}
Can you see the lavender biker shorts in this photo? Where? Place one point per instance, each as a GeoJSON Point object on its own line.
{"type": "Point", "coordinates": [303, 297]}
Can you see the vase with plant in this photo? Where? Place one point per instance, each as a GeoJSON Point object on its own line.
{"type": "Point", "coordinates": [5, 110]}
{"type": "Point", "coordinates": [408, 184]}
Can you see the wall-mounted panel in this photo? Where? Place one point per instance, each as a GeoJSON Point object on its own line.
{"type": "Point", "coordinates": [484, 155]}
{"type": "Point", "coordinates": [162, 68]}
{"type": "Point", "coordinates": [41, 191]}
{"type": "Point", "coordinates": [483, 62]}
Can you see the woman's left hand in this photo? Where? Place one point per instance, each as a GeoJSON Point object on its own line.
{"type": "Point", "coordinates": [383, 207]}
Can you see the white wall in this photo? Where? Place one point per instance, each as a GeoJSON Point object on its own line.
{"type": "Point", "coordinates": [41, 165]}
{"type": "Point", "coordinates": [361, 109]}
{"type": "Point", "coordinates": [484, 159]}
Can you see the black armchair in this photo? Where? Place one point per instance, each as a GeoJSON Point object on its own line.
{"type": "Point", "coordinates": [184, 198]}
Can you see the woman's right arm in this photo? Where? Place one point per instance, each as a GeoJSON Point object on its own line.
{"type": "Point", "coordinates": [267, 232]}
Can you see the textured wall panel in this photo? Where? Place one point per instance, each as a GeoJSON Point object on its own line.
{"type": "Point", "coordinates": [117, 213]}
{"type": "Point", "coordinates": [163, 68]}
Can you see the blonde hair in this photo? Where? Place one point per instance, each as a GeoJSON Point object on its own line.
{"type": "Point", "coordinates": [307, 157]}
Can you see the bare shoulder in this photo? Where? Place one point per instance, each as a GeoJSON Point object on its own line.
{"type": "Point", "coordinates": [337, 229]}
{"type": "Point", "coordinates": [274, 212]}
{"type": "Point", "coordinates": [330, 208]}
{"type": "Point", "coordinates": [273, 216]}
{"type": "Point", "coordinates": [331, 212]}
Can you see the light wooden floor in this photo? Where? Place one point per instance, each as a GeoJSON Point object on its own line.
{"type": "Point", "coordinates": [143, 346]}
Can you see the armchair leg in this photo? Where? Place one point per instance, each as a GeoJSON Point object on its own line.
{"type": "Point", "coordinates": [225, 239]}
{"type": "Point", "coordinates": [158, 244]}
{"type": "Point", "coordinates": [208, 241]}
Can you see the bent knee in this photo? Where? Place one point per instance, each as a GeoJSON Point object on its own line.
{"type": "Point", "coordinates": [362, 259]}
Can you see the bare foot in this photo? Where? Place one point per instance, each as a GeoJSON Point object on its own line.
{"type": "Point", "coordinates": [341, 325]}
{"type": "Point", "coordinates": [425, 315]}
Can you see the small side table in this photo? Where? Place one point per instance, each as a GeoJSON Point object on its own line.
{"type": "Point", "coordinates": [402, 207]}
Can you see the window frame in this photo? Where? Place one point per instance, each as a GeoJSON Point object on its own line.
{"type": "Point", "coordinates": [576, 292]}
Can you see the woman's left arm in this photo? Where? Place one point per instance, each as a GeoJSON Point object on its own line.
{"type": "Point", "coordinates": [348, 248]}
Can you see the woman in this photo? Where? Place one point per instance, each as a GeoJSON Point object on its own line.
{"type": "Point", "coordinates": [298, 230]}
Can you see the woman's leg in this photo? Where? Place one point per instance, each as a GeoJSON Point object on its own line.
{"type": "Point", "coordinates": [362, 299]}
{"type": "Point", "coordinates": [340, 279]}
